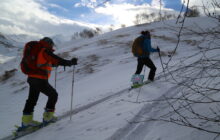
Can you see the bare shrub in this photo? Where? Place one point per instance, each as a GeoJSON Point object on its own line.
{"type": "Point", "coordinates": [142, 18]}
{"type": "Point", "coordinates": [193, 12]}
{"type": "Point", "coordinates": [123, 25]}
{"type": "Point", "coordinates": [196, 102]}
{"type": "Point", "coordinates": [213, 14]}
{"type": "Point", "coordinates": [87, 33]}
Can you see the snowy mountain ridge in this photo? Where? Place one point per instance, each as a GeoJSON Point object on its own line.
{"type": "Point", "coordinates": [104, 108]}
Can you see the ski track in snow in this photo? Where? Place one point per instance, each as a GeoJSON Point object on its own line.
{"type": "Point", "coordinates": [129, 131]}
{"type": "Point", "coordinates": [138, 131]}
{"type": "Point", "coordinates": [98, 102]}
{"type": "Point", "coordinates": [83, 108]}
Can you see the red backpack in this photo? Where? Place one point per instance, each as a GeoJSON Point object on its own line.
{"type": "Point", "coordinates": [29, 61]}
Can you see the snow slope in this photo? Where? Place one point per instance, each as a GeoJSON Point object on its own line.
{"type": "Point", "coordinates": [104, 107]}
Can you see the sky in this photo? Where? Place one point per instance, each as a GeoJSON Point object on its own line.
{"type": "Point", "coordinates": [64, 17]}
{"type": "Point", "coordinates": [98, 12]}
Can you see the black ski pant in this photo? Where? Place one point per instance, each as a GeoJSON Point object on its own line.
{"type": "Point", "coordinates": [37, 86]}
{"type": "Point", "coordinates": [148, 62]}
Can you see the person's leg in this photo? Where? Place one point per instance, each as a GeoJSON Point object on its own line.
{"type": "Point", "coordinates": [49, 91]}
{"type": "Point", "coordinates": [148, 62]}
{"type": "Point", "coordinates": [139, 65]}
{"type": "Point", "coordinates": [27, 118]}
{"type": "Point", "coordinates": [52, 94]}
{"type": "Point", "coordinates": [32, 97]}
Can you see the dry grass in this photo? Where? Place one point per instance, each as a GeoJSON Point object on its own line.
{"type": "Point", "coordinates": [7, 75]}
{"type": "Point", "coordinates": [102, 42]}
{"type": "Point", "coordinates": [165, 38]}
{"type": "Point", "coordinates": [21, 89]}
{"type": "Point", "coordinates": [168, 53]}
{"type": "Point", "coordinates": [192, 42]}
{"type": "Point", "coordinates": [88, 66]}
{"type": "Point", "coordinates": [64, 55]}
{"type": "Point", "coordinates": [124, 35]}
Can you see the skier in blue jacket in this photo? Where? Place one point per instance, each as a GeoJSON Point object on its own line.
{"type": "Point", "coordinates": [145, 58]}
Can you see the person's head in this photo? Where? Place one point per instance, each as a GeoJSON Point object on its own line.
{"type": "Point", "coordinates": [49, 41]}
{"type": "Point", "coordinates": [146, 34]}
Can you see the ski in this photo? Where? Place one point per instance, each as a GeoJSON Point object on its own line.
{"type": "Point", "coordinates": [139, 85]}
{"type": "Point", "coordinates": [20, 132]}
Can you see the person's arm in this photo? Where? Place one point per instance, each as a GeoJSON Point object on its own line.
{"type": "Point", "coordinates": [56, 60]}
{"type": "Point", "coordinates": [147, 46]}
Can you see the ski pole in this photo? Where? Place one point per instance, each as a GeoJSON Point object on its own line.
{"type": "Point", "coordinates": [55, 82]}
{"type": "Point", "coordinates": [144, 69]}
{"type": "Point", "coordinates": [160, 59]}
{"type": "Point", "coordinates": [139, 92]}
{"type": "Point", "coordinates": [161, 63]}
{"type": "Point", "coordinates": [71, 107]}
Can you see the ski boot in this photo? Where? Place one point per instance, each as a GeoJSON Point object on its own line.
{"type": "Point", "coordinates": [137, 80]}
{"type": "Point", "coordinates": [27, 121]}
{"type": "Point", "coordinates": [27, 124]}
{"type": "Point", "coordinates": [48, 117]}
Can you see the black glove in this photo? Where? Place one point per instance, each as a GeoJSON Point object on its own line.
{"type": "Point", "coordinates": [74, 61]}
{"type": "Point", "coordinates": [158, 49]}
{"type": "Point", "coordinates": [69, 63]}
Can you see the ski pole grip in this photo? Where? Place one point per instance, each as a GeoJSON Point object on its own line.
{"type": "Point", "coordinates": [158, 50]}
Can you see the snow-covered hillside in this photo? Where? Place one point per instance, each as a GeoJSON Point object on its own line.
{"type": "Point", "coordinates": [6, 47]}
{"type": "Point", "coordinates": [104, 108]}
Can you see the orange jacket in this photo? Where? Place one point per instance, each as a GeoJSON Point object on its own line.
{"type": "Point", "coordinates": [44, 62]}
